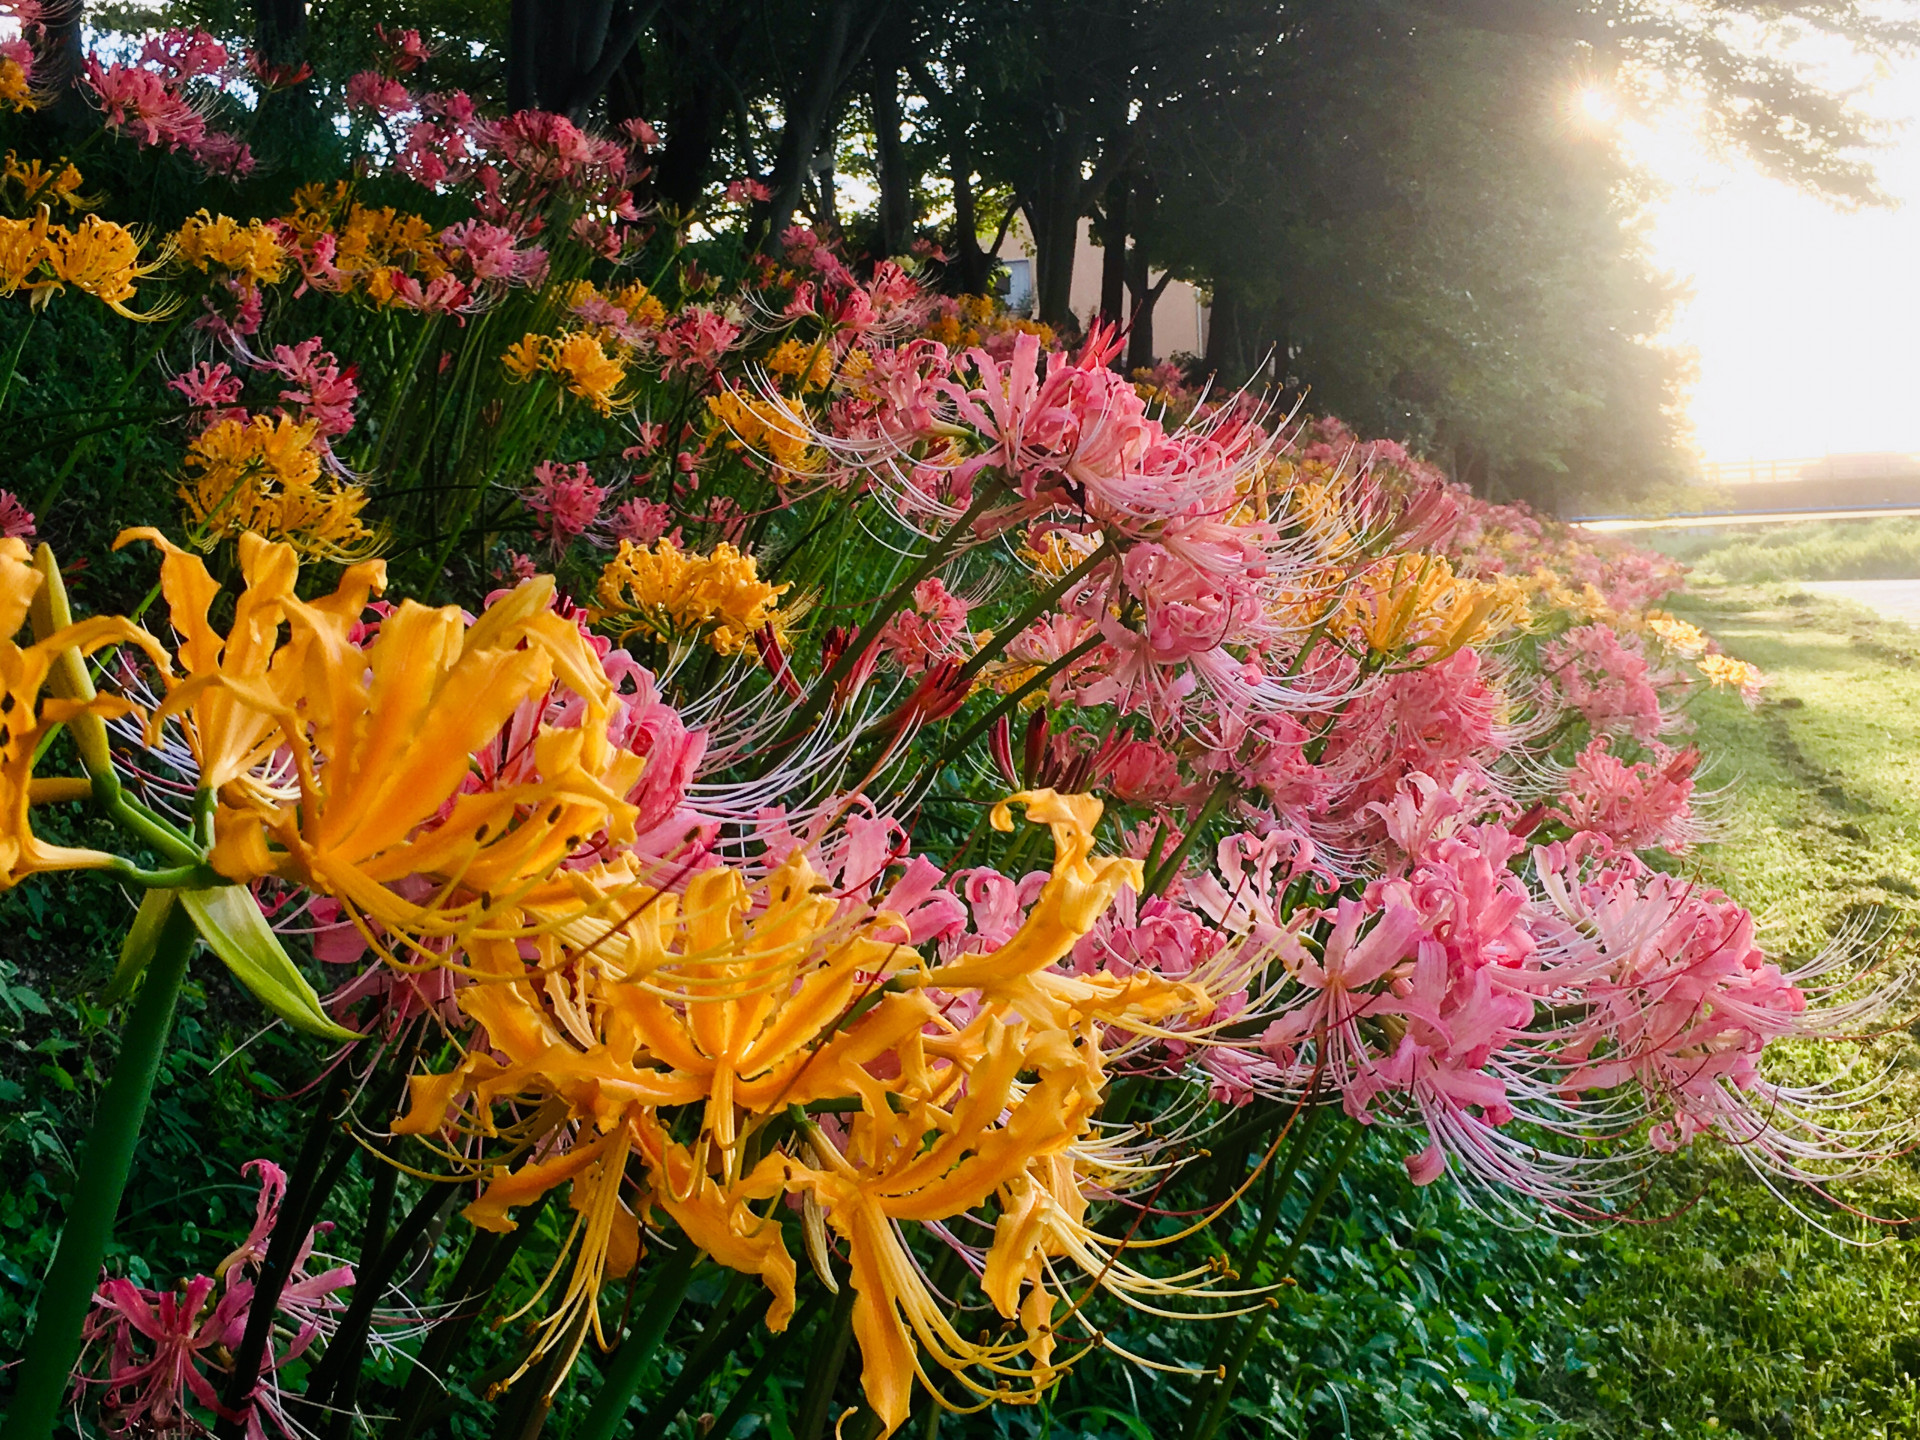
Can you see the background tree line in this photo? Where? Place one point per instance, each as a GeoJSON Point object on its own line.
{"type": "Point", "coordinates": [1395, 207]}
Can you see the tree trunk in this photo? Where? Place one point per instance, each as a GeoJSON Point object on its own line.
{"type": "Point", "coordinates": [808, 110]}
{"type": "Point", "coordinates": [826, 205]}
{"type": "Point", "coordinates": [970, 263]}
{"type": "Point", "coordinates": [523, 34]}
{"type": "Point", "coordinates": [1113, 250]}
{"type": "Point", "coordinates": [57, 63]}
{"type": "Point", "coordinates": [1226, 343]}
{"type": "Point", "coordinates": [288, 130]}
{"type": "Point", "coordinates": [562, 53]}
{"type": "Point", "coordinates": [890, 156]}
{"type": "Point", "coordinates": [1054, 215]}
{"type": "Point", "coordinates": [1145, 295]}
{"type": "Point", "coordinates": [694, 105]}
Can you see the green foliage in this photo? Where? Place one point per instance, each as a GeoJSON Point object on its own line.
{"type": "Point", "coordinates": [215, 1103]}
{"type": "Point", "coordinates": [1741, 1318]}
{"type": "Point", "coordinates": [1733, 1314]}
{"type": "Point", "coordinates": [1416, 1315]}
{"type": "Point", "coordinates": [1882, 549]}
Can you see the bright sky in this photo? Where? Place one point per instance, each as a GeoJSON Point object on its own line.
{"type": "Point", "coordinates": [1806, 319]}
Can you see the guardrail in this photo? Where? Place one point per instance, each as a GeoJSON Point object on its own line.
{"type": "Point", "coordinates": [1816, 467]}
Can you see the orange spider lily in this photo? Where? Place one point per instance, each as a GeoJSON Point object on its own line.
{"type": "Point", "coordinates": [26, 718]}
{"type": "Point", "coordinates": [744, 1005]}
{"type": "Point", "coordinates": [347, 766]}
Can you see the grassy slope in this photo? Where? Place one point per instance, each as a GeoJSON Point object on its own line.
{"type": "Point", "coordinates": [1738, 1317]}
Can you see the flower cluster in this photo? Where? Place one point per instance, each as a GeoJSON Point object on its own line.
{"type": "Point", "coordinates": [149, 1352]}
{"type": "Point", "coordinates": [1349, 787]}
{"type": "Point", "coordinates": [163, 99]}
{"type": "Point", "coordinates": [717, 599]}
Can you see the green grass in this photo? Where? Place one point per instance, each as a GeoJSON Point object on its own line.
{"type": "Point", "coordinates": [1877, 549]}
{"type": "Point", "coordinates": [1739, 1317]}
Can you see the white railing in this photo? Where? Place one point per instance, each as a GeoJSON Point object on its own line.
{"type": "Point", "coordinates": [1818, 467]}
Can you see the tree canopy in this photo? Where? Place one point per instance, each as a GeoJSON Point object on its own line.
{"type": "Point", "coordinates": [1392, 205]}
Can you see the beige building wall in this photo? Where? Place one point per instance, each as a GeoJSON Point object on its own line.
{"type": "Point", "coordinates": [1179, 320]}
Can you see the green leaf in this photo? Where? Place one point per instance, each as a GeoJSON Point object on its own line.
{"type": "Point", "coordinates": [235, 930]}
{"type": "Point", "coordinates": [137, 949]}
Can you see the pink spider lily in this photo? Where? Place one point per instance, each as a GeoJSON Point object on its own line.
{"type": "Point", "coordinates": [568, 504]}
{"type": "Point", "coordinates": [154, 1356]}
{"type": "Point", "coordinates": [1636, 805]}
{"type": "Point", "coordinates": [16, 521]}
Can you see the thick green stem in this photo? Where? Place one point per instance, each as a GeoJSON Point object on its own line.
{"type": "Point", "coordinates": [628, 1364]}
{"type": "Point", "coordinates": [1005, 707]}
{"type": "Point", "coordinates": [816, 1404]}
{"type": "Point", "coordinates": [68, 1291]}
{"type": "Point", "coordinates": [775, 1350]}
{"type": "Point", "coordinates": [313, 1178]}
{"type": "Point", "coordinates": [1211, 1417]}
{"type": "Point", "coordinates": [1170, 865]}
{"type": "Point", "coordinates": [721, 1337]}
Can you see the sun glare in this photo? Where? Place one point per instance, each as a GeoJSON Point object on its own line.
{"type": "Point", "coordinates": [1597, 105]}
{"type": "Point", "coordinates": [1803, 316]}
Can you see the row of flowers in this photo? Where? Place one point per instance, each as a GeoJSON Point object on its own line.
{"type": "Point", "coordinates": [670, 850]}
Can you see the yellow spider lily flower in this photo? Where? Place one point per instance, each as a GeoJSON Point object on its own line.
{"type": "Point", "coordinates": [264, 476]}
{"type": "Point", "coordinates": [718, 598]}
{"type": "Point", "coordinates": [25, 248]}
{"type": "Point", "coordinates": [641, 305]}
{"type": "Point", "coordinates": [103, 259]}
{"type": "Point", "coordinates": [39, 181]}
{"type": "Point", "coordinates": [717, 1012]}
{"type": "Point", "coordinates": [250, 252]}
{"type": "Point", "coordinates": [577, 357]}
{"type": "Point", "coordinates": [922, 1162]}
{"type": "Point", "coordinates": [1676, 634]}
{"type": "Point", "coordinates": [372, 795]}
{"type": "Point", "coordinates": [16, 92]}
{"type": "Point", "coordinates": [1409, 602]}
{"type": "Point", "coordinates": [26, 718]}
{"type": "Point", "coordinates": [589, 371]}
{"type": "Point", "coordinates": [1724, 670]}
{"type": "Point", "coordinates": [526, 357]}
{"type": "Point", "coordinates": [739, 1017]}
{"type": "Point", "coordinates": [771, 427]}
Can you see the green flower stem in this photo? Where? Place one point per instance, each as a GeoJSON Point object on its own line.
{"type": "Point", "coordinates": [829, 1357]}
{"type": "Point", "coordinates": [13, 360]}
{"type": "Point", "coordinates": [775, 1350]}
{"type": "Point", "coordinates": [721, 1337]}
{"type": "Point", "coordinates": [102, 1179]}
{"type": "Point", "coordinates": [1210, 1418]}
{"type": "Point", "coordinates": [932, 561]}
{"type": "Point", "coordinates": [488, 1256]}
{"type": "Point", "coordinates": [1007, 704]}
{"type": "Point", "coordinates": [1043, 602]}
{"type": "Point", "coordinates": [1170, 865]}
{"type": "Point", "coordinates": [628, 1365]}
{"type": "Point", "coordinates": [311, 1181]}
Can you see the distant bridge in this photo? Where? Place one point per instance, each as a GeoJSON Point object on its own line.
{"type": "Point", "coordinates": [1718, 518]}
{"type": "Point", "coordinates": [1881, 465]}
{"type": "Point", "coordinates": [1779, 492]}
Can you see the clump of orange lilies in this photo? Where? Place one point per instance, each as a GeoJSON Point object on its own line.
{"type": "Point", "coordinates": [741, 1052]}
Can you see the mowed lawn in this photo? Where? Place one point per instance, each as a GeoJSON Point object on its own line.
{"type": "Point", "coordinates": [1739, 1316]}
{"type": "Point", "coordinates": [1822, 823]}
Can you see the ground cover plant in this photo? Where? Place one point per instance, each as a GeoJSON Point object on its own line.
{"type": "Point", "coordinates": [712, 839]}
{"type": "Point", "coordinates": [1883, 549]}
{"type": "Point", "coordinates": [1728, 1320]}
